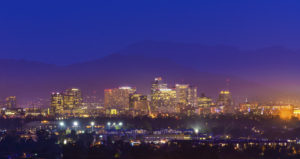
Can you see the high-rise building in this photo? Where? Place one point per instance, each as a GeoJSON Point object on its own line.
{"type": "Point", "coordinates": [164, 100]}
{"type": "Point", "coordinates": [67, 103]}
{"type": "Point", "coordinates": [118, 98]}
{"type": "Point", "coordinates": [225, 98]}
{"type": "Point", "coordinates": [182, 93]}
{"type": "Point", "coordinates": [56, 103]}
{"type": "Point", "coordinates": [157, 85]}
{"type": "Point", "coordinates": [192, 96]}
{"type": "Point", "coordinates": [205, 105]}
{"type": "Point", "coordinates": [139, 104]}
{"type": "Point", "coordinates": [225, 101]}
{"type": "Point", "coordinates": [11, 102]}
{"type": "Point", "coordinates": [186, 95]}
{"type": "Point", "coordinates": [72, 98]}
{"type": "Point", "coordinates": [204, 101]}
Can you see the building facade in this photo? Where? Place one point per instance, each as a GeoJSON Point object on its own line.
{"type": "Point", "coordinates": [118, 98]}
{"type": "Point", "coordinates": [139, 105]}
{"type": "Point", "coordinates": [11, 102]}
{"type": "Point", "coordinates": [67, 103]}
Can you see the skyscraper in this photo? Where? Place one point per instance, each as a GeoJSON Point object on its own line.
{"type": "Point", "coordinates": [11, 102]}
{"type": "Point", "coordinates": [192, 96]}
{"type": "Point", "coordinates": [56, 103]}
{"type": "Point", "coordinates": [204, 101]}
{"type": "Point", "coordinates": [139, 104]}
{"type": "Point", "coordinates": [182, 93]}
{"type": "Point", "coordinates": [158, 84]}
{"type": "Point", "coordinates": [72, 98]}
{"type": "Point", "coordinates": [225, 101]}
{"type": "Point", "coordinates": [186, 95]}
{"type": "Point", "coordinates": [118, 98]}
{"type": "Point", "coordinates": [163, 99]}
{"type": "Point", "coordinates": [166, 100]}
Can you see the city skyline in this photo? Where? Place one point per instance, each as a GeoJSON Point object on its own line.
{"type": "Point", "coordinates": [180, 79]}
{"type": "Point", "coordinates": [177, 87]}
{"type": "Point", "coordinates": [163, 99]}
{"type": "Point", "coordinates": [254, 42]}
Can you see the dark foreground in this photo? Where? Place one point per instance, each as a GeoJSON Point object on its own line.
{"type": "Point", "coordinates": [12, 147]}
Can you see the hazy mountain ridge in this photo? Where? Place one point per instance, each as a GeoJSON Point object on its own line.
{"type": "Point", "coordinates": [131, 67]}
{"type": "Point", "coordinates": [275, 66]}
{"type": "Point", "coordinates": [205, 57]}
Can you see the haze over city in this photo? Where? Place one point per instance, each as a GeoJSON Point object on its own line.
{"type": "Point", "coordinates": [150, 79]}
{"type": "Point", "coordinates": [251, 40]}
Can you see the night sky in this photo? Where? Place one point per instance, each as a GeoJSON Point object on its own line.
{"type": "Point", "coordinates": [64, 32]}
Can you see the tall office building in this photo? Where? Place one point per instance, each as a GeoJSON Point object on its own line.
{"type": "Point", "coordinates": [225, 98]}
{"type": "Point", "coordinates": [56, 103]}
{"type": "Point", "coordinates": [182, 92]}
{"type": "Point", "coordinates": [139, 104]}
{"type": "Point", "coordinates": [72, 98]}
{"type": "Point", "coordinates": [204, 101]}
{"type": "Point", "coordinates": [225, 101]}
{"type": "Point", "coordinates": [166, 100]}
{"type": "Point", "coordinates": [155, 96]}
{"type": "Point", "coordinates": [118, 98]}
{"type": "Point", "coordinates": [163, 100]}
{"type": "Point", "coordinates": [186, 95]}
{"type": "Point", "coordinates": [158, 84]}
{"type": "Point", "coordinates": [11, 102]}
{"type": "Point", "coordinates": [192, 96]}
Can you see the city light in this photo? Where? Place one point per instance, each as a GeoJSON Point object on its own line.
{"type": "Point", "coordinates": [196, 131]}
{"type": "Point", "coordinates": [61, 124]}
{"type": "Point", "coordinates": [181, 80]}
{"type": "Point", "coordinates": [75, 123]}
{"type": "Point", "coordinates": [92, 123]}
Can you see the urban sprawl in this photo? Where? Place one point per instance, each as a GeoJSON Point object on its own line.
{"type": "Point", "coordinates": [160, 124]}
{"type": "Point", "coordinates": [181, 99]}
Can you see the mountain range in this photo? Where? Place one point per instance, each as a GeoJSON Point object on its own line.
{"type": "Point", "coordinates": [252, 73]}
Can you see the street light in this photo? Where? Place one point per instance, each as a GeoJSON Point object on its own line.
{"type": "Point", "coordinates": [196, 131]}
{"type": "Point", "coordinates": [120, 124]}
{"type": "Point", "coordinates": [75, 123]}
{"type": "Point", "coordinates": [65, 141]}
{"type": "Point", "coordinates": [108, 123]}
{"type": "Point", "coordinates": [92, 125]}
{"type": "Point", "coordinates": [62, 124]}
